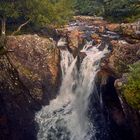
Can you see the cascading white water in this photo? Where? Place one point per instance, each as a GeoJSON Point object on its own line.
{"type": "Point", "coordinates": [66, 118]}
{"type": "Point", "coordinates": [66, 59]}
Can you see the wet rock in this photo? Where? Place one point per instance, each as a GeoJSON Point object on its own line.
{"type": "Point", "coordinates": [131, 30]}
{"type": "Point", "coordinates": [97, 39]}
{"type": "Point", "coordinates": [75, 40]}
{"type": "Point", "coordinates": [118, 83]}
{"type": "Point", "coordinates": [101, 29]}
{"type": "Point", "coordinates": [121, 81]}
{"type": "Point", "coordinates": [82, 54]}
{"type": "Point", "coordinates": [74, 37]}
{"type": "Point", "coordinates": [62, 43]}
{"type": "Point", "coordinates": [113, 27]}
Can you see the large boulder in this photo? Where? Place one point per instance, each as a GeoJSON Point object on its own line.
{"type": "Point", "coordinates": [37, 62]}
{"type": "Point", "coordinates": [113, 27]}
{"type": "Point", "coordinates": [131, 30]}
{"type": "Point", "coordinates": [122, 55]}
{"type": "Point", "coordinates": [29, 78]}
{"type": "Point", "coordinates": [75, 40]}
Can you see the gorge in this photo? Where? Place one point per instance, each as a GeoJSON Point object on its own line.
{"type": "Point", "coordinates": [73, 79]}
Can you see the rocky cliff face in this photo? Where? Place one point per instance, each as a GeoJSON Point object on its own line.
{"type": "Point", "coordinates": [37, 62]}
{"type": "Point", "coordinates": [124, 54]}
{"type": "Point", "coordinates": [29, 78]}
{"type": "Point", "coordinates": [124, 43]}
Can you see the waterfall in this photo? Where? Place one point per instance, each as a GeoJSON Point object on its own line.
{"type": "Point", "coordinates": [66, 117]}
{"type": "Point", "coordinates": [66, 59]}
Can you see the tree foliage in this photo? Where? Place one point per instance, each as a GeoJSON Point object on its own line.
{"type": "Point", "coordinates": [8, 8]}
{"type": "Point", "coordinates": [122, 10]}
{"type": "Point", "coordinates": [40, 12]}
{"type": "Point", "coordinates": [119, 10]}
{"type": "Point", "coordinates": [89, 7]}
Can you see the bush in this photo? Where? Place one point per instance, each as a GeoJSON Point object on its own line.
{"type": "Point", "coordinates": [132, 88]}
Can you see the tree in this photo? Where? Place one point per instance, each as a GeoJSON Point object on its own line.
{"type": "Point", "coordinates": [63, 11]}
{"type": "Point", "coordinates": [89, 7]}
{"type": "Point", "coordinates": [121, 10]}
{"type": "Point", "coordinates": [116, 10]}
{"type": "Point", "coordinates": [41, 12]}
{"type": "Point", "coordinates": [7, 9]}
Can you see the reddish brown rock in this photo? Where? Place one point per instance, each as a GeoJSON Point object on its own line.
{"type": "Point", "coordinates": [37, 62]}
{"type": "Point", "coordinates": [101, 29]}
{"type": "Point", "coordinates": [131, 30]}
{"type": "Point", "coordinates": [29, 78]}
{"type": "Point", "coordinates": [75, 40]}
{"type": "Point", "coordinates": [122, 55]}
{"type": "Point", "coordinates": [113, 27]}
{"type": "Point", "coordinates": [96, 38]}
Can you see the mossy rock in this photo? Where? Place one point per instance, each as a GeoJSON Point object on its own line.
{"type": "Point", "coordinates": [131, 90]}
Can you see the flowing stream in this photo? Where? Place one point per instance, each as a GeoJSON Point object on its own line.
{"type": "Point", "coordinates": [67, 116]}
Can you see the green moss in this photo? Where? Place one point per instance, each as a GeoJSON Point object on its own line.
{"type": "Point", "coordinates": [131, 90]}
{"type": "Point", "coordinates": [27, 72]}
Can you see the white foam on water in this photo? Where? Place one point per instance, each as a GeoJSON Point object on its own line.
{"type": "Point", "coordinates": [65, 118]}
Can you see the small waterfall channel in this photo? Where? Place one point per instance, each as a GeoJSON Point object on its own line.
{"type": "Point", "coordinates": [67, 117]}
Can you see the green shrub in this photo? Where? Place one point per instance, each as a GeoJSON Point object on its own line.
{"type": "Point", "coordinates": [132, 88]}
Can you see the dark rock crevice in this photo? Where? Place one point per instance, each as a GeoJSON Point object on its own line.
{"type": "Point", "coordinates": [17, 106]}
{"type": "Point", "coordinates": [119, 126]}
